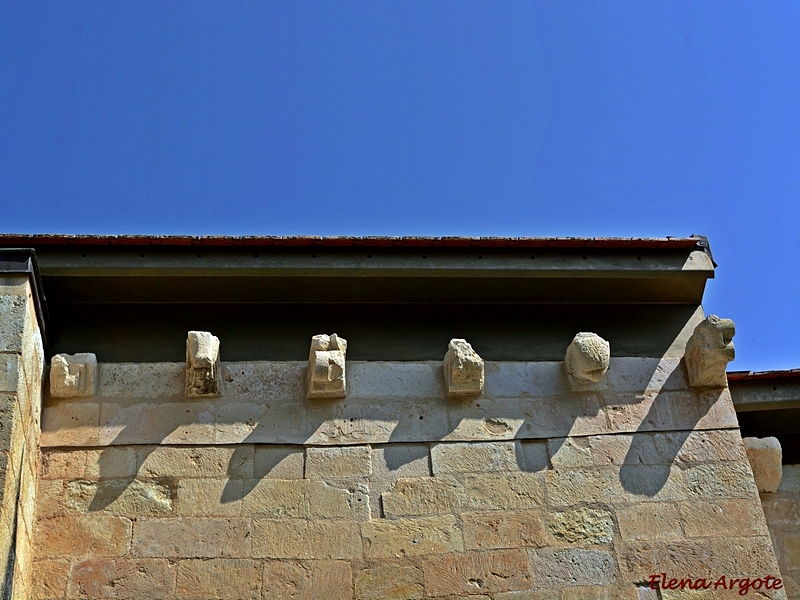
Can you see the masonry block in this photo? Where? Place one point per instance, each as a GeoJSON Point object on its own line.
{"type": "Point", "coordinates": [219, 578]}
{"type": "Point", "coordinates": [503, 492]}
{"type": "Point", "coordinates": [192, 538]}
{"type": "Point", "coordinates": [339, 462]}
{"type": "Point", "coordinates": [582, 525]}
{"type": "Point", "coordinates": [418, 536]}
{"type": "Point", "coordinates": [301, 539]}
{"type": "Point", "coordinates": [138, 579]}
{"type": "Point", "coordinates": [389, 582]}
{"type": "Point", "coordinates": [568, 567]}
{"type": "Point", "coordinates": [475, 456]}
{"type": "Point", "coordinates": [82, 536]}
{"type": "Point", "coordinates": [308, 580]}
{"type": "Point", "coordinates": [503, 529]}
{"type": "Point", "coordinates": [423, 496]}
{"type": "Point", "coordinates": [276, 498]}
{"type": "Point", "coordinates": [489, 572]}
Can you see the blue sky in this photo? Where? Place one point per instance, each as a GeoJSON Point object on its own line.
{"type": "Point", "coordinates": [420, 118]}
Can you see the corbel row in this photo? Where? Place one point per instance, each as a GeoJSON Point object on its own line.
{"type": "Point", "coordinates": [586, 363]}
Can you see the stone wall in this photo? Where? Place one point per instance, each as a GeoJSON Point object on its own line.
{"type": "Point", "coordinates": [530, 491]}
{"type": "Point", "coordinates": [782, 510]}
{"type": "Point", "coordinates": [21, 369]}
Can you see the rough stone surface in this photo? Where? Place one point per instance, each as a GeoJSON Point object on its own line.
{"type": "Point", "coordinates": [218, 579]}
{"type": "Point", "coordinates": [764, 456]}
{"type": "Point", "coordinates": [389, 582]}
{"type": "Point", "coordinates": [656, 521]}
{"type": "Point", "coordinates": [326, 367]}
{"type": "Point", "coordinates": [143, 579]}
{"type": "Point", "coordinates": [73, 375]}
{"type": "Point", "coordinates": [307, 580]}
{"type": "Point", "coordinates": [475, 572]}
{"type": "Point", "coordinates": [192, 538]}
{"type": "Point", "coordinates": [583, 525]}
{"type": "Point", "coordinates": [587, 360]}
{"type": "Point", "coordinates": [560, 568]}
{"type": "Point", "coordinates": [83, 536]}
{"type": "Point", "coordinates": [709, 351]}
{"type": "Point", "coordinates": [500, 529]}
{"type": "Point", "coordinates": [474, 457]}
{"type": "Point", "coordinates": [423, 496]}
{"type": "Point", "coordinates": [296, 538]}
{"type": "Point", "coordinates": [202, 365]}
{"type": "Point", "coordinates": [463, 369]}
{"type": "Point", "coordinates": [338, 463]}
{"type": "Point", "coordinates": [411, 537]}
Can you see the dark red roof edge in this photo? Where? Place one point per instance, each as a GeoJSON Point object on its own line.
{"type": "Point", "coordinates": [26, 240]}
{"type": "Point", "coordinates": [758, 375]}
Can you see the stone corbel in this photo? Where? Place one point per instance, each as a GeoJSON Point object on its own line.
{"type": "Point", "coordinates": [463, 370]}
{"type": "Point", "coordinates": [326, 367]}
{"type": "Point", "coordinates": [709, 351]}
{"type": "Point", "coordinates": [765, 457]}
{"type": "Point", "coordinates": [202, 365]}
{"type": "Point", "coordinates": [586, 362]}
{"type": "Point", "coordinates": [73, 375]}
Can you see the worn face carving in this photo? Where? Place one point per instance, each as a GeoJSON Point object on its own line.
{"type": "Point", "coordinates": [587, 361]}
{"type": "Point", "coordinates": [326, 367]}
{"type": "Point", "coordinates": [73, 375]}
{"type": "Point", "coordinates": [463, 369]}
{"type": "Point", "coordinates": [709, 351]}
{"type": "Point", "coordinates": [202, 365]}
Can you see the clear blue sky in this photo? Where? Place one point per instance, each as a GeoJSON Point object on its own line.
{"type": "Point", "coordinates": [420, 118]}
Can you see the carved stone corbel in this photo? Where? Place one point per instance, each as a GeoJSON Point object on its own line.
{"type": "Point", "coordinates": [586, 362]}
{"type": "Point", "coordinates": [202, 365]}
{"type": "Point", "coordinates": [709, 351]}
{"type": "Point", "coordinates": [73, 375]}
{"type": "Point", "coordinates": [326, 367]}
{"type": "Point", "coordinates": [463, 369]}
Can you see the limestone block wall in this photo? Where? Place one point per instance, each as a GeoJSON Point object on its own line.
{"type": "Point", "coordinates": [21, 369]}
{"type": "Point", "coordinates": [530, 491]}
{"type": "Point", "coordinates": [782, 510]}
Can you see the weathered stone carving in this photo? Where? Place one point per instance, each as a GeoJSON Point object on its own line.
{"type": "Point", "coordinates": [202, 365]}
{"type": "Point", "coordinates": [709, 351]}
{"type": "Point", "coordinates": [765, 458]}
{"type": "Point", "coordinates": [326, 367]}
{"type": "Point", "coordinates": [73, 375]}
{"type": "Point", "coordinates": [463, 369]}
{"type": "Point", "coordinates": [586, 361]}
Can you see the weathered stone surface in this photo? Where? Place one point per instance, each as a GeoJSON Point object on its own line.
{"type": "Point", "coordinates": [338, 463]}
{"type": "Point", "coordinates": [764, 456]}
{"type": "Point", "coordinates": [584, 525]}
{"type": "Point", "coordinates": [790, 482]}
{"type": "Point", "coordinates": [700, 446]}
{"type": "Point", "coordinates": [202, 365]}
{"type": "Point", "coordinates": [709, 351]}
{"type": "Point", "coordinates": [326, 367]}
{"type": "Point", "coordinates": [703, 518]}
{"type": "Point", "coordinates": [529, 595]}
{"type": "Point", "coordinates": [423, 496]}
{"type": "Point", "coordinates": [10, 372]}
{"type": "Point", "coordinates": [411, 537]}
{"type": "Point", "coordinates": [791, 550]}
{"type": "Point", "coordinates": [50, 578]}
{"type": "Point", "coordinates": [570, 452]}
{"type": "Point", "coordinates": [574, 486]}
{"type": "Point", "coordinates": [474, 456]}
{"type": "Point", "coordinates": [487, 572]}
{"type": "Point", "coordinates": [276, 498]}
{"type": "Point", "coordinates": [307, 580]}
{"type": "Point", "coordinates": [218, 579]}
{"type": "Point", "coordinates": [389, 582]}
{"type": "Point", "coordinates": [49, 498]}
{"type": "Point", "coordinates": [278, 462]}
{"type": "Point", "coordinates": [71, 424]}
{"type": "Point", "coordinates": [721, 480]}
{"type": "Point", "coordinates": [192, 538]}
{"type": "Point", "coordinates": [73, 375]}
{"type": "Point", "coordinates": [709, 557]}
{"type": "Point", "coordinates": [82, 535]}
{"type": "Point", "coordinates": [209, 498]}
{"type": "Point", "coordinates": [139, 579]}
{"type": "Point", "coordinates": [463, 369]}
{"type": "Point", "coordinates": [652, 521]}
{"type": "Point", "coordinates": [128, 498]}
{"type": "Point", "coordinates": [533, 456]}
{"type": "Point", "coordinates": [202, 462]}
{"type": "Point", "coordinates": [501, 492]}
{"type": "Point", "coordinates": [560, 568]}
{"type": "Point", "coordinates": [587, 361]}
{"type": "Point", "coordinates": [108, 462]}
{"type": "Point", "coordinates": [296, 538]}
{"type": "Point", "coordinates": [331, 502]}
{"type": "Point", "coordinates": [501, 529]}
{"type": "Point", "coordinates": [121, 423]}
